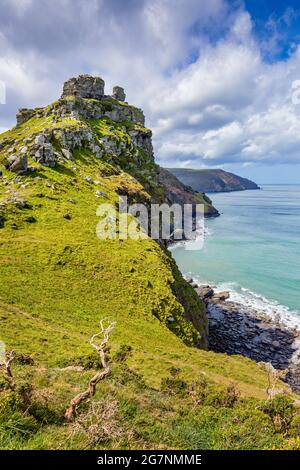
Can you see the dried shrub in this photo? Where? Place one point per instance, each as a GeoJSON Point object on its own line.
{"type": "Point", "coordinates": [198, 390]}
{"type": "Point", "coordinates": [281, 410]}
{"type": "Point", "coordinates": [99, 423]}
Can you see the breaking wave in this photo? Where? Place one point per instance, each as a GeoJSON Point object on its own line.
{"type": "Point", "coordinates": [253, 301]}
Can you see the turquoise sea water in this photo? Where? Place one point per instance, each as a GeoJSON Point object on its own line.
{"type": "Point", "coordinates": [253, 248]}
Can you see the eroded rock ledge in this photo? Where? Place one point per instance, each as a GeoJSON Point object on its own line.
{"type": "Point", "coordinates": [237, 329]}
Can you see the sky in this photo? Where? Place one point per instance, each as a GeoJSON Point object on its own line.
{"type": "Point", "coordinates": [218, 80]}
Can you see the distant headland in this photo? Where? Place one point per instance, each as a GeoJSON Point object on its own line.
{"type": "Point", "coordinates": [212, 181]}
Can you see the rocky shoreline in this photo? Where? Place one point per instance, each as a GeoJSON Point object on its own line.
{"type": "Point", "coordinates": [237, 329]}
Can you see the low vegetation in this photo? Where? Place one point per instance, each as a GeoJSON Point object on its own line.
{"type": "Point", "coordinates": [128, 413]}
{"type": "Point", "coordinates": [57, 279]}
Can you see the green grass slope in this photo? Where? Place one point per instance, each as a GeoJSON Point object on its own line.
{"type": "Point", "coordinates": [57, 280]}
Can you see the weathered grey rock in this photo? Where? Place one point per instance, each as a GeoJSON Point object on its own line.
{"type": "Point", "coordinates": [16, 201]}
{"type": "Point", "coordinates": [111, 146]}
{"type": "Point", "coordinates": [100, 193]}
{"type": "Point", "coordinates": [143, 140]}
{"type": "Point", "coordinates": [84, 86]}
{"type": "Point", "coordinates": [18, 163]}
{"type": "Point", "coordinates": [40, 139]}
{"type": "Point", "coordinates": [20, 203]}
{"type": "Point", "coordinates": [88, 179]}
{"type": "Point", "coordinates": [24, 114]}
{"type": "Point", "coordinates": [96, 150]}
{"type": "Point", "coordinates": [220, 296]}
{"type": "Point", "coordinates": [66, 153]}
{"type": "Point", "coordinates": [73, 138]}
{"type": "Point", "coordinates": [205, 292]}
{"type": "Point", "coordinates": [171, 319]}
{"type": "Point", "coordinates": [118, 93]}
{"type": "Point", "coordinates": [45, 155]}
{"type": "Point", "coordinates": [80, 88]}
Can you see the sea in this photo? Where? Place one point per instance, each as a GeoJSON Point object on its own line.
{"type": "Point", "coordinates": [252, 250]}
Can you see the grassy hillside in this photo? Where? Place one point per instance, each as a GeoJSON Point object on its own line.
{"type": "Point", "coordinates": [57, 280]}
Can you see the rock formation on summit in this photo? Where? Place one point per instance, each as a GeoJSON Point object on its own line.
{"type": "Point", "coordinates": [84, 86]}
{"type": "Point", "coordinates": [105, 126]}
{"type": "Point", "coordinates": [118, 93]}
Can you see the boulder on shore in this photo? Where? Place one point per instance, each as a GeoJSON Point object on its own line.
{"type": "Point", "coordinates": [205, 292]}
{"type": "Point", "coordinates": [220, 296]}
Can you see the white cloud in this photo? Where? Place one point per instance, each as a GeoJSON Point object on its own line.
{"type": "Point", "coordinates": [21, 6]}
{"type": "Point", "coordinates": [196, 68]}
{"type": "Point", "coordinates": [246, 102]}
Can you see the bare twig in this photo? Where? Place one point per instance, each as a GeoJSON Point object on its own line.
{"type": "Point", "coordinates": [99, 423]}
{"type": "Point", "coordinates": [274, 376]}
{"type": "Point", "coordinates": [101, 350]}
{"type": "Point", "coordinates": [6, 366]}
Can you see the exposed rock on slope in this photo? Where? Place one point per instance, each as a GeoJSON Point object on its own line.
{"type": "Point", "coordinates": [213, 181]}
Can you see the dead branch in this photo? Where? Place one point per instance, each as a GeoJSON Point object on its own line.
{"type": "Point", "coordinates": [6, 366]}
{"type": "Point", "coordinates": [101, 350]}
{"type": "Point", "coordinates": [274, 376]}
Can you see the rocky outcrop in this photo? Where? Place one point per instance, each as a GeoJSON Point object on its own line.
{"type": "Point", "coordinates": [24, 114]}
{"type": "Point", "coordinates": [118, 93]}
{"type": "Point", "coordinates": [57, 142]}
{"type": "Point", "coordinates": [17, 163]}
{"type": "Point", "coordinates": [104, 108]}
{"type": "Point", "coordinates": [83, 97]}
{"type": "Point", "coordinates": [84, 86]}
{"type": "Point", "coordinates": [213, 181]}
{"type": "Point", "coordinates": [109, 129]}
{"type": "Point", "coordinates": [44, 154]}
{"type": "Point", "coordinates": [237, 329]}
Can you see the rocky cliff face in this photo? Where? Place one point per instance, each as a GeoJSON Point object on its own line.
{"type": "Point", "coordinates": [213, 181]}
